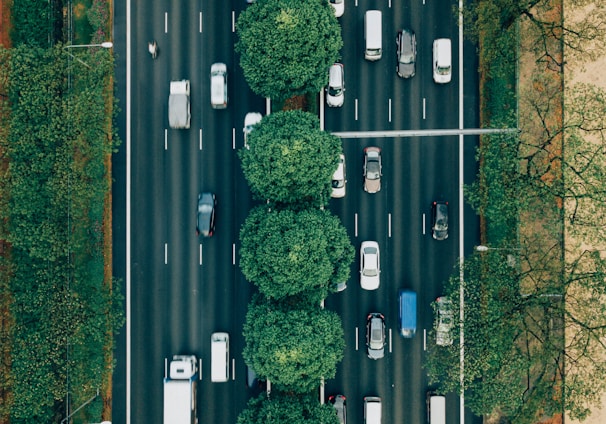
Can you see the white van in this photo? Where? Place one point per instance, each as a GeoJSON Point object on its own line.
{"type": "Point", "coordinates": [218, 85]}
{"type": "Point", "coordinates": [219, 359]}
{"type": "Point", "coordinates": [442, 60]}
{"type": "Point", "coordinates": [436, 408]}
{"type": "Point", "coordinates": [373, 35]}
{"type": "Point", "coordinates": [372, 410]}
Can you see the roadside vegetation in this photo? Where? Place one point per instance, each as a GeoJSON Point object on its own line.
{"type": "Point", "coordinates": [63, 305]}
{"type": "Point", "coordinates": [535, 302]}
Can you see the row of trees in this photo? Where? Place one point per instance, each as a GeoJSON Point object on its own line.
{"type": "Point", "coordinates": [292, 249]}
{"type": "Point", "coordinates": [295, 252]}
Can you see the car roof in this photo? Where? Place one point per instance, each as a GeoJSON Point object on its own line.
{"type": "Point", "coordinates": [335, 74]}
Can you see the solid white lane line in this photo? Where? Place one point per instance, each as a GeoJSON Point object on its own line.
{"type": "Point", "coordinates": [200, 254]}
{"type": "Point", "coordinates": [200, 23]}
{"type": "Point", "coordinates": [233, 369]}
{"type": "Point", "coordinates": [200, 368]}
{"type": "Point", "coordinates": [461, 223]}
{"type": "Point", "coordinates": [200, 138]}
{"type": "Point", "coordinates": [233, 21]}
{"type": "Point", "coordinates": [233, 253]}
{"type": "Point", "coordinates": [389, 110]}
{"type": "Point", "coordinates": [389, 225]}
{"type": "Point", "coordinates": [165, 22]}
{"type": "Point", "coordinates": [356, 225]}
{"type": "Point", "coordinates": [424, 110]}
{"type": "Point", "coordinates": [128, 209]}
{"type": "Point", "coordinates": [165, 253]}
{"type": "Point", "coordinates": [423, 224]}
{"type": "Point", "coordinates": [356, 338]}
{"type": "Point", "coordinates": [233, 138]}
{"type": "Point", "coordinates": [356, 109]}
{"type": "Point", "coordinates": [165, 139]}
{"type": "Point", "coordinates": [390, 346]}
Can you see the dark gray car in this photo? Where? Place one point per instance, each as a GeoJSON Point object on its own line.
{"type": "Point", "coordinates": [439, 214]}
{"type": "Point", "coordinates": [406, 44]}
{"type": "Point", "coordinates": [205, 224]}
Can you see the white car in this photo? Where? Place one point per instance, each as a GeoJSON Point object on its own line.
{"type": "Point", "coordinates": [339, 6]}
{"type": "Point", "coordinates": [335, 92]}
{"type": "Point", "coordinates": [370, 265]}
{"type": "Point", "coordinates": [250, 120]}
{"type": "Point", "coordinates": [442, 61]}
{"type": "Point", "coordinates": [338, 179]}
{"type": "Point", "coordinates": [218, 85]}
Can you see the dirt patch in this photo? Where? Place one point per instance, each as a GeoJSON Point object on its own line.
{"type": "Point", "coordinates": [5, 22]}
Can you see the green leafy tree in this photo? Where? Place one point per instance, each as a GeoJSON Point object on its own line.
{"type": "Point", "coordinates": [290, 160]}
{"type": "Point", "coordinates": [282, 408]}
{"type": "Point", "coordinates": [287, 46]}
{"type": "Point", "coordinates": [286, 252]}
{"type": "Point", "coordinates": [294, 349]}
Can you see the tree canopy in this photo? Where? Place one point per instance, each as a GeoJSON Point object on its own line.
{"type": "Point", "coordinates": [294, 349]}
{"type": "Point", "coordinates": [287, 252]}
{"type": "Point", "coordinates": [282, 408]}
{"type": "Point", "coordinates": [287, 46]}
{"type": "Point", "coordinates": [290, 160]}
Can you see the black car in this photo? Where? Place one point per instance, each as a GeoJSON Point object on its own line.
{"type": "Point", "coordinates": [406, 44]}
{"type": "Point", "coordinates": [205, 224]}
{"type": "Point", "coordinates": [439, 213]}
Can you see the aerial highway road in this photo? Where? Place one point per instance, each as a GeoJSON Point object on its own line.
{"type": "Point", "coordinates": [180, 287]}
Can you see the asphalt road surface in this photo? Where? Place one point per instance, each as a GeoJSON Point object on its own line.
{"type": "Point", "coordinates": [183, 288]}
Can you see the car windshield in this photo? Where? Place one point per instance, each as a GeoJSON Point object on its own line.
{"type": "Point", "coordinates": [335, 91]}
{"type": "Point", "coordinates": [338, 183]}
{"type": "Point", "coordinates": [205, 208]}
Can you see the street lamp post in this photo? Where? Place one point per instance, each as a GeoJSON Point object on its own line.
{"type": "Point", "coordinates": [105, 45]}
{"type": "Point", "coordinates": [511, 259]}
{"type": "Point", "coordinates": [482, 248]}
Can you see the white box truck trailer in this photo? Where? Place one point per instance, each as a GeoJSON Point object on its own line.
{"type": "Point", "coordinates": [179, 114]}
{"type": "Point", "coordinates": [180, 390]}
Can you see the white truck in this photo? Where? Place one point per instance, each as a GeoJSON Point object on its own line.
{"type": "Point", "coordinates": [180, 390]}
{"type": "Point", "coordinates": [179, 114]}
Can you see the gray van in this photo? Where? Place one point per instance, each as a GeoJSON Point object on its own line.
{"type": "Point", "coordinates": [408, 313]}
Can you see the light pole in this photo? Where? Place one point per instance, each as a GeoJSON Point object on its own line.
{"type": "Point", "coordinates": [105, 45]}
{"type": "Point", "coordinates": [482, 248]}
{"type": "Point", "coordinates": [511, 259]}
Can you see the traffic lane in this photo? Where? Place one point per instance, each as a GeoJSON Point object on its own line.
{"type": "Point", "coordinates": [149, 329]}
